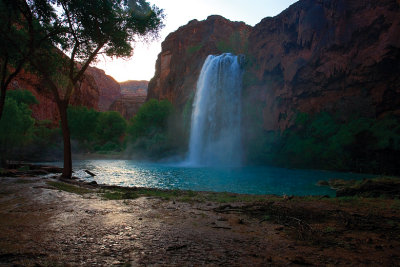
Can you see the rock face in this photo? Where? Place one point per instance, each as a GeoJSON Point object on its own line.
{"type": "Point", "coordinates": [341, 56]}
{"type": "Point", "coordinates": [138, 88]}
{"type": "Point", "coordinates": [109, 89]}
{"type": "Point", "coordinates": [133, 95]}
{"type": "Point", "coordinates": [335, 55]}
{"type": "Point", "coordinates": [85, 95]}
{"type": "Point", "coordinates": [184, 51]}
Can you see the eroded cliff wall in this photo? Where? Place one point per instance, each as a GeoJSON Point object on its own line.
{"type": "Point", "coordinates": [184, 51]}
{"type": "Point", "coordinates": [109, 88]}
{"type": "Point", "coordinates": [334, 55]}
{"type": "Point", "coordinates": [87, 94]}
{"type": "Point", "coordinates": [133, 96]}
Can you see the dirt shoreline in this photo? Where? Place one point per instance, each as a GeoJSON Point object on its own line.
{"type": "Point", "coordinates": [41, 225]}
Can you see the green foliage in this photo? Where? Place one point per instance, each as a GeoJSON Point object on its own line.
{"type": "Point", "coordinates": [22, 97]}
{"type": "Point", "coordinates": [111, 127]}
{"type": "Point", "coordinates": [152, 118]}
{"type": "Point", "coordinates": [69, 188]}
{"type": "Point", "coordinates": [97, 131]}
{"type": "Point", "coordinates": [149, 129]}
{"type": "Point", "coordinates": [16, 124]}
{"type": "Point", "coordinates": [324, 141]}
{"type": "Point", "coordinates": [237, 44]}
{"type": "Point", "coordinates": [193, 49]}
{"type": "Point", "coordinates": [82, 124]}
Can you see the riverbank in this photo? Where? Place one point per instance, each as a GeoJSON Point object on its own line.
{"type": "Point", "coordinates": [45, 221]}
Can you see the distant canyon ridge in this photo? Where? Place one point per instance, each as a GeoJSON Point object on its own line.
{"type": "Point", "coordinates": [340, 56]}
{"type": "Point", "coordinates": [98, 91]}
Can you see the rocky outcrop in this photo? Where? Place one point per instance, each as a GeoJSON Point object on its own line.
{"type": "Point", "coordinates": [184, 51]}
{"type": "Point", "coordinates": [342, 56]}
{"type": "Point", "coordinates": [138, 88]}
{"type": "Point", "coordinates": [335, 55]}
{"type": "Point", "coordinates": [133, 96]}
{"type": "Point", "coordinates": [87, 94]}
{"type": "Point", "coordinates": [109, 89]}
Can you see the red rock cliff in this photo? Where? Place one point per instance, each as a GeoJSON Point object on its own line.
{"type": "Point", "coordinates": [133, 96]}
{"type": "Point", "coordinates": [85, 95]}
{"type": "Point", "coordinates": [184, 51]}
{"type": "Point", "coordinates": [334, 55]}
{"type": "Point", "coordinates": [109, 89]}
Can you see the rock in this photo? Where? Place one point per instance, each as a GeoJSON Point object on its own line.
{"type": "Point", "coordinates": [335, 55]}
{"type": "Point", "coordinates": [299, 260]}
{"type": "Point", "coordinates": [183, 54]}
{"type": "Point", "coordinates": [87, 94]}
{"type": "Point", "coordinates": [380, 187]}
{"type": "Point", "coordinates": [93, 183]}
{"type": "Point", "coordinates": [109, 89]}
{"type": "Point", "coordinates": [322, 183]}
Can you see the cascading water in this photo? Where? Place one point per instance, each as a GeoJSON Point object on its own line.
{"type": "Point", "coordinates": [215, 136]}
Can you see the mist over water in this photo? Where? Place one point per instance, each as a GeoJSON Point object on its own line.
{"type": "Point", "coordinates": [215, 135]}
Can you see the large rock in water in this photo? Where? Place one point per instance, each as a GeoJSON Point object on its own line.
{"type": "Point", "coordinates": [133, 96]}
{"type": "Point", "coordinates": [184, 51]}
{"type": "Point", "coordinates": [333, 55]}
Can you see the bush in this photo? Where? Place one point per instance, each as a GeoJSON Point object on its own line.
{"type": "Point", "coordinates": [97, 131]}
{"type": "Point", "coordinates": [149, 131]}
{"type": "Point", "coordinates": [16, 124]}
{"type": "Point", "coordinates": [323, 141]}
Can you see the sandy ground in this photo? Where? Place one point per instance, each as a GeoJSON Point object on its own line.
{"type": "Point", "coordinates": [42, 226]}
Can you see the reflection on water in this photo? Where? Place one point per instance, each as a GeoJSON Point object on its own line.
{"type": "Point", "coordinates": [245, 180]}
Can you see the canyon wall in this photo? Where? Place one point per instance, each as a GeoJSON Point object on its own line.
{"type": "Point", "coordinates": [133, 96]}
{"type": "Point", "coordinates": [85, 95]}
{"type": "Point", "coordinates": [97, 91]}
{"type": "Point", "coordinates": [109, 89]}
{"type": "Point", "coordinates": [184, 51]}
{"type": "Point", "coordinates": [342, 56]}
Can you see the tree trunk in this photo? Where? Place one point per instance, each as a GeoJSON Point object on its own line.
{"type": "Point", "coordinates": [67, 171]}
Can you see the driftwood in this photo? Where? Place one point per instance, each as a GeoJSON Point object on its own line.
{"type": "Point", "coordinates": [90, 173]}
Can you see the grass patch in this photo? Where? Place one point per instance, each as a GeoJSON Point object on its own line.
{"type": "Point", "coordinates": [69, 188]}
{"type": "Point", "coordinates": [23, 168]}
{"type": "Point", "coordinates": [178, 195]}
{"type": "Point", "coordinates": [225, 197]}
{"type": "Point", "coordinates": [329, 229]}
{"type": "Point", "coordinates": [132, 193]}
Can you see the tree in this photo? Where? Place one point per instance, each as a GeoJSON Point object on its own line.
{"type": "Point", "coordinates": [83, 123]}
{"type": "Point", "coordinates": [83, 30]}
{"type": "Point", "coordinates": [151, 118]}
{"type": "Point", "coordinates": [13, 31]}
{"type": "Point", "coordinates": [115, 127]}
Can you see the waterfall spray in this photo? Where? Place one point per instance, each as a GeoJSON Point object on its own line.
{"type": "Point", "coordinates": [215, 136]}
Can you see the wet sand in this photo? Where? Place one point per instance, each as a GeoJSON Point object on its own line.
{"type": "Point", "coordinates": [43, 226]}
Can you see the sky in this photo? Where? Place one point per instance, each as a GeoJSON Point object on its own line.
{"type": "Point", "coordinates": [178, 13]}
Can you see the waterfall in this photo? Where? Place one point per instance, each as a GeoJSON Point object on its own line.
{"type": "Point", "coordinates": [215, 135]}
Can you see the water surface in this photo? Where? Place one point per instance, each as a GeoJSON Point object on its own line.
{"type": "Point", "coordinates": [244, 180]}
